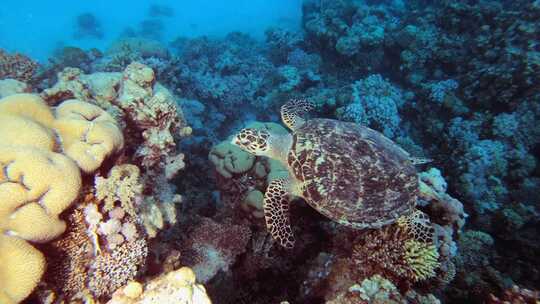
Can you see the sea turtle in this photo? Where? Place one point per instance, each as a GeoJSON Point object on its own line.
{"type": "Point", "coordinates": [348, 172]}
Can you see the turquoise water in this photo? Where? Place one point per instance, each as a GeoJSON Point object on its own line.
{"type": "Point", "coordinates": [36, 27]}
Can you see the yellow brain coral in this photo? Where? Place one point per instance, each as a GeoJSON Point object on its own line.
{"type": "Point", "coordinates": [37, 183]}
{"type": "Point", "coordinates": [20, 271]}
{"type": "Point", "coordinates": [35, 187]}
{"type": "Point", "coordinates": [88, 133]}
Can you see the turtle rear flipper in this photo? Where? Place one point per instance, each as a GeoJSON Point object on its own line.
{"type": "Point", "coordinates": [276, 212]}
{"type": "Point", "coordinates": [292, 112]}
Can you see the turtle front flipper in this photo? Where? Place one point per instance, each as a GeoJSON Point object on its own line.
{"type": "Point", "coordinates": [276, 212]}
{"type": "Point", "coordinates": [292, 112]}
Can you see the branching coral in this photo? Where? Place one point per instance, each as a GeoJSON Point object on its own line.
{"type": "Point", "coordinates": [375, 103]}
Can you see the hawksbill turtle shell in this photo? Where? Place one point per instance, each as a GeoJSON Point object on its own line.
{"type": "Point", "coordinates": [352, 174]}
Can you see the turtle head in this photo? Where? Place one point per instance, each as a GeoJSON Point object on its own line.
{"type": "Point", "coordinates": [254, 141]}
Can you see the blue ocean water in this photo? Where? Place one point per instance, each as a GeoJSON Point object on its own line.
{"type": "Point", "coordinates": [265, 152]}
{"type": "Point", "coordinates": [36, 28]}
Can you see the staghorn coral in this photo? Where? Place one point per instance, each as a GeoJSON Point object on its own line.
{"type": "Point", "coordinates": [16, 66]}
{"type": "Point", "coordinates": [375, 103]}
{"type": "Point", "coordinates": [176, 287]}
{"type": "Point", "coordinates": [421, 258]}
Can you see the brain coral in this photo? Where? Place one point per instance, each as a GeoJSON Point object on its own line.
{"type": "Point", "coordinates": [37, 183]}
{"type": "Point", "coordinates": [88, 133]}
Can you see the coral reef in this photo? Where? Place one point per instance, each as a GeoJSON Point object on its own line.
{"type": "Point", "coordinates": [79, 265]}
{"type": "Point", "coordinates": [212, 247]}
{"type": "Point", "coordinates": [39, 183]}
{"type": "Point", "coordinates": [16, 66]}
{"type": "Point", "coordinates": [12, 86]}
{"type": "Point", "coordinates": [453, 81]}
{"type": "Point", "coordinates": [177, 286]}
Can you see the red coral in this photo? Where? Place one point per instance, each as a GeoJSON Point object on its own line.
{"type": "Point", "coordinates": [16, 66]}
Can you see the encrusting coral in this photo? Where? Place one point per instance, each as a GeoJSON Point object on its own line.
{"type": "Point", "coordinates": [122, 185]}
{"type": "Point", "coordinates": [176, 287]}
{"type": "Point", "coordinates": [36, 185]}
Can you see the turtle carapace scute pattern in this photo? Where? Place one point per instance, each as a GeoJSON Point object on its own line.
{"type": "Point", "coordinates": [352, 174]}
{"type": "Point", "coordinates": [348, 172]}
